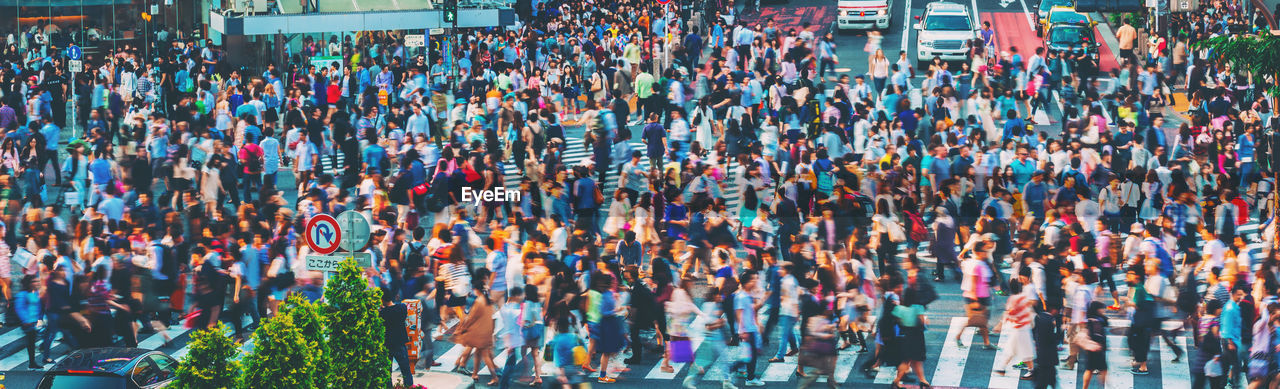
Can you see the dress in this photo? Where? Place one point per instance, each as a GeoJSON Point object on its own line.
{"type": "Point", "coordinates": [476, 330]}
{"type": "Point", "coordinates": [910, 342]}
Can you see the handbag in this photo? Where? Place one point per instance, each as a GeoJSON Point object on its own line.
{"type": "Point", "coordinates": [547, 351]}
{"type": "Point", "coordinates": [680, 351]}
{"type": "Point", "coordinates": [579, 354]}
{"type": "Point", "coordinates": [1213, 368]}
{"type": "Point", "coordinates": [1085, 343]}
{"type": "Point", "coordinates": [896, 234]}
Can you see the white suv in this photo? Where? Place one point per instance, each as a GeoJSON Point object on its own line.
{"type": "Point", "coordinates": [944, 31]}
{"type": "Point", "coordinates": [864, 14]}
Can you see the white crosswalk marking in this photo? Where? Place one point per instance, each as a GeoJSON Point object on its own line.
{"type": "Point", "coordinates": [156, 340]}
{"type": "Point", "coordinates": [780, 371]}
{"type": "Point", "coordinates": [1008, 380]}
{"type": "Point", "coordinates": [1170, 371]}
{"type": "Point", "coordinates": [449, 359]}
{"type": "Point", "coordinates": [1118, 377]}
{"type": "Point", "coordinates": [695, 341]}
{"type": "Point", "coordinates": [844, 365]}
{"type": "Point", "coordinates": [952, 359]}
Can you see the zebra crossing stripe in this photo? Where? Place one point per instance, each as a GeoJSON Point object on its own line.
{"type": "Point", "coordinates": [1066, 377]}
{"type": "Point", "coordinates": [844, 365]}
{"type": "Point", "coordinates": [1119, 378]}
{"type": "Point", "coordinates": [156, 340]}
{"type": "Point", "coordinates": [695, 341]}
{"type": "Point", "coordinates": [1008, 380]}
{"type": "Point", "coordinates": [951, 360]}
{"type": "Point", "coordinates": [1170, 371]}
{"type": "Point", "coordinates": [448, 360]}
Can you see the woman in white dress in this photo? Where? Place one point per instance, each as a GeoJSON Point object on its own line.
{"type": "Point", "coordinates": [618, 214]}
{"type": "Point", "coordinates": [643, 225]}
{"type": "Point", "coordinates": [703, 121]}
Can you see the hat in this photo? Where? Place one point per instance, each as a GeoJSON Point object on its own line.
{"type": "Point", "coordinates": [1136, 228]}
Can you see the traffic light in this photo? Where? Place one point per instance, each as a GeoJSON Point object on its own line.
{"type": "Point", "coordinates": [450, 11]}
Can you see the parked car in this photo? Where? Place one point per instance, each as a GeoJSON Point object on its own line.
{"type": "Point", "coordinates": [944, 31]}
{"type": "Point", "coordinates": [1062, 15]}
{"type": "Point", "coordinates": [864, 14]}
{"type": "Point", "coordinates": [111, 368]}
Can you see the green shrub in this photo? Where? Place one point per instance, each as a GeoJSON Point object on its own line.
{"type": "Point", "coordinates": [357, 348]}
{"type": "Point", "coordinates": [211, 362]}
{"type": "Point", "coordinates": [280, 358]}
{"type": "Point", "coordinates": [306, 316]}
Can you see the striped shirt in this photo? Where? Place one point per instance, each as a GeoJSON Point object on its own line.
{"type": "Point", "coordinates": [1018, 311]}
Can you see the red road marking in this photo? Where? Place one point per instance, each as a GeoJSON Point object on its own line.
{"type": "Point", "coordinates": [819, 17]}
{"type": "Point", "coordinates": [1012, 30]}
{"type": "Point", "coordinates": [1106, 58]}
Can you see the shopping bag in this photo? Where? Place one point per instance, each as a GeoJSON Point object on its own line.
{"type": "Point", "coordinates": [680, 351]}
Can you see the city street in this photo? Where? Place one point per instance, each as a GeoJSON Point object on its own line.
{"type": "Point", "coordinates": [948, 365]}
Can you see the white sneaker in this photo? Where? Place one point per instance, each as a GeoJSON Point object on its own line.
{"type": "Point", "coordinates": [688, 383]}
{"type": "Point", "coordinates": [755, 382]}
{"type": "Point", "coordinates": [727, 385]}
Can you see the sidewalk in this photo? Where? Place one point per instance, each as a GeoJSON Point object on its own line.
{"type": "Point", "coordinates": [436, 380]}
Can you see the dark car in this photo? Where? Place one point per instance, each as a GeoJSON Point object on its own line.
{"type": "Point", "coordinates": [111, 368]}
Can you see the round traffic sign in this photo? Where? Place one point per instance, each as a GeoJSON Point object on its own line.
{"type": "Point", "coordinates": [663, 2]}
{"type": "Point", "coordinates": [323, 234]}
{"type": "Point", "coordinates": [355, 230]}
{"type": "Point", "coordinates": [74, 52]}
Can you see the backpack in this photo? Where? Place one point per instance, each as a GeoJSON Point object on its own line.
{"type": "Point", "coordinates": [168, 264]}
{"type": "Point", "coordinates": [415, 259]}
{"type": "Point", "coordinates": [918, 231]}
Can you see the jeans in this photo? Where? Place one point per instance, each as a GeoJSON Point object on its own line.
{"type": "Point", "coordinates": [401, 356]}
{"type": "Point", "coordinates": [824, 64]}
{"type": "Point", "coordinates": [509, 368]}
{"type": "Point", "coordinates": [751, 341]}
{"type": "Point", "coordinates": [787, 324]}
{"type": "Point", "coordinates": [53, 325]}
{"type": "Point", "coordinates": [252, 183]}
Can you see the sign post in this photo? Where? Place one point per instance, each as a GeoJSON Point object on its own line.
{"type": "Point", "coordinates": [329, 263]}
{"type": "Point", "coordinates": [323, 234]}
{"type": "Point", "coordinates": [74, 66]}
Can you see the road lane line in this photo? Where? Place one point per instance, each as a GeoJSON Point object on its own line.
{"type": "Point", "coordinates": [906, 27]}
{"type": "Point", "coordinates": [1173, 372]}
{"type": "Point", "coordinates": [1010, 378]}
{"type": "Point", "coordinates": [1119, 377]}
{"type": "Point", "coordinates": [1027, 13]}
{"type": "Point", "coordinates": [951, 360]}
{"type": "Point", "coordinates": [448, 360]}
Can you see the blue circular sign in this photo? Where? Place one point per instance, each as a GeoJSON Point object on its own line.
{"type": "Point", "coordinates": [74, 52]}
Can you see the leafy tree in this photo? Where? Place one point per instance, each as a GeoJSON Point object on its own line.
{"type": "Point", "coordinates": [357, 347]}
{"type": "Point", "coordinates": [1258, 55]}
{"type": "Point", "coordinates": [281, 357]}
{"type": "Point", "coordinates": [306, 316]}
{"type": "Point", "coordinates": [211, 363]}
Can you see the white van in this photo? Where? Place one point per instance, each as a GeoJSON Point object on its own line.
{"type": "Point", "coordinates": [863, 14]}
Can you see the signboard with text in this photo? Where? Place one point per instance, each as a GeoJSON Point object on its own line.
{"type": "Point", "coordinates": [330, 262]}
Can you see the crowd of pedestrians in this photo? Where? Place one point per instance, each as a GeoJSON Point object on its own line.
{"type": "Point", "coordinates": [756, 196]}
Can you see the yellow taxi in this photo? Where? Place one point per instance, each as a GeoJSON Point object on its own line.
{"type": "Point", "coordinates": [1062, 14]}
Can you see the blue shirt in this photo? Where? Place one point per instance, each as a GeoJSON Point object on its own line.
{"type": "Point", "coordinates": [743, 302]}
{"type": "Point", "coordinates": [1230, 322]}
{"type": "Point", "coordinates": [252, 266]}
{"type": "Point", "coordinates": [27, 304]}
{"type": "Point", "coordinates": [51, 134]}
{"type": "Point", "coordinates": [112, 207]}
